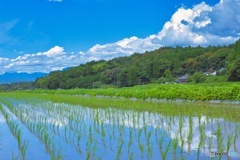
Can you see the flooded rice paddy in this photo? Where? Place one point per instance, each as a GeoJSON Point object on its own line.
{"type": "Point", "coordinates": [42, 129]}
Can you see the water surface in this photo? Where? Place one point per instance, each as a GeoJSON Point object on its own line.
{"type": "Point", "coordinates": [66, 131]}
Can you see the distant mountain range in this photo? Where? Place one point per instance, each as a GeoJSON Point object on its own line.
{"type": "Point", "coordinates": [8, 78]}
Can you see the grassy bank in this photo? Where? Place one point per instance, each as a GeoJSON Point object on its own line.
{"type": "Point", "coordinates": [166, 108]}
{"type": "Point", "coordinates": [199, 92]}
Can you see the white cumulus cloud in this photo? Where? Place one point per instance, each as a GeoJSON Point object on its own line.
{"type": "Point", "coordinates": [53, 59]}
{"type": "Point", "coordinates": [124, 47]}
{"type": "Point", "coordinates": [54, 52]}
{"type": "Point", "coordinates": [200, 25]}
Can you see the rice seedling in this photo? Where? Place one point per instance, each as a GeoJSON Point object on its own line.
{"type": "Point", "coordinates": [149, 151]}
{"type": "Point", "coordinates": [190, 134]}
{"type": "Point", "coordinates": [130, 156]}
{"type": "Point", "coordinates": [236, 135]}
{"type": "Point", "coordinates": [230, 139]}
{"type": "Point", "coordinates": [130, 141]}
{"type": "Point", "coordinates": [220, 145]}
{"type": "Point", "coordinates": [119, 151]}
{"type": "Point", "coordinates": [174, 147]}
{"type": "Point", "coordinates": [139, 134]}
{"type": "Point", "coordinates": [79, 144]}
{"type": "Point", "coordinates": [13, 156]}
{"type": "Point", "coordinates": [180, 125]}
{"type": "Point", "coordinates": [88, 129]}
{"type": "Point", "coordinates": [165, 152]}
{"type": "Point", "coordinates": [210, 143]}
{"type": "Point", "coordinates": [141, 147]}
{"type": "Point", "coordinates": [16, 132]}
{"type": "Point", "coordinates": [200, 144]}
{"type": "Point", "coordinates": [182, 144]}
{"type": "Point", "coordinates": [88, 157]}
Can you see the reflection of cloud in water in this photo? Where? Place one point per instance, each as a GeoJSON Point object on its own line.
{"type": "Point", "coordinates": [138, 120]}
{"type": "Point", "coordinates": [56, 120]}
{"type": "Point", "coordinates": [2, 119]}
{"type": "Point", "coordinates": [172, 127]}
{"type": "Point", "coordinates": [40, 115]}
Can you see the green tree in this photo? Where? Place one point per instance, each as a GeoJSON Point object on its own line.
{"type": "Point", "coordinates": [234, 65]}
{"type": "Point", "coordinates": [168, 75]}
{"type": "Point", "coordinates": [132, 76]}
{"type": "Point", "coordinates": [122, 76]}
{"type": "Point", "coordinates": [197, 77]}
{"type": "Point", "coordinates": [234, 73]}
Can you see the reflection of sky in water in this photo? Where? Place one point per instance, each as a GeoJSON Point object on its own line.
{"type": "Point", "coordinates": [2, 119]}
{"type": "Point", "coordinates": [59, 115]}
{"type": "Point", "coordinates": [163, 122]}
{"type": "Point", "coordinates": [51, 120]}
{"type": "Point", "coordinates": [8, 143]}
{"type": "Point", "coordinates": [138, 120]}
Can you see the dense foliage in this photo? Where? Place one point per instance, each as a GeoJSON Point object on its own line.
{"type": "Point", "coordinates": [162, 65]}
{"type": "Point", "coordinates": [199, 92]}
{"type": "Point", "coordinates": [17, 86]}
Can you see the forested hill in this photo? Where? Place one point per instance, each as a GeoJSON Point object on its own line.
{"type": "Point", "coordinates": [162, 65]}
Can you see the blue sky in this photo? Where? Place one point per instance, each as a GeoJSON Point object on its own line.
{"type": "Point", "coordinates": [47, 35]}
